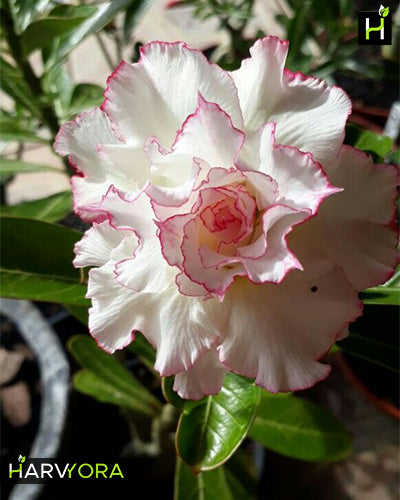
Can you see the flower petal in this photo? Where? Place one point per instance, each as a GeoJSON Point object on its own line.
{"type": "Point", "coordinates": [80, 139]}
{"type": "Point", "coordinates": [291, 325]}
{"type": "Point", "coordinates": [203, 379]}
{"type": "Point", "coordinates": [309, 114]}
{"type": "Point", "coordinates": [162, 90]}
{"type": "Point", "coordinates": [95, 248]}
{"type": "Point", "coordinates": [356, 228]}
{"type": "Point", "coordinates": [302, 184]}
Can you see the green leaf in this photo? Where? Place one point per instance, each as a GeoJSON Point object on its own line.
{"type": "Point", "coordinates": [36, 262]}
{"type": "Point", "coordinates": [14, 128]}
{"type": "Point", "coordinates": [13, 167]}
{"type": "Point", "coordinates": [170, 395]}
{"type": "Point", "coordinates": [210, 485]}
{"type": "Point", "coordinates": [209, 432]}
{"type": "Point", "coordinates": [387, 294]}
{"type": "Point", "coordinates": [58, 84]}
{"type": "Point", "coordinates": [381, 295]}
{"type": "Point", "coordinates": [133, 15]}
{"type": "Point", "coordinates": [51, 209]}
{"type": "Point", "coordinates": [13, 84]}
{"type": "Point", "coordinates": [85, 96]}
{"type": "Point", "coordinates": [42, 33]}
{"type": "Point", "coordinates": [297, 428]}
{"type": "Point", "coordinates": [104, 15]}
{"type": "Point", "coordinates": [79, 312]}
{"type": "Point", "coordinates": [233, 481]}
{"type": "Point", "coordinates": [385, 12]}
{"type": "Point", "coordinates": [119, 384]}
{"type": "Point", "coordinates": [370, 142]}
{"type": "Point", "coordinates": [375, 351]}
{"type": "Point", "coordinates": [25, 11]}
{"type": "Point", "coordinates": [143, 349]}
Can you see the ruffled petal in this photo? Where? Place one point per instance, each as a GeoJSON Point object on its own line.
{"type": "Point", "coordinates": [81, 140]}
{"type": "Point", "coordinates": [203, 379]}
{"type": "Point", "coordinates": [309, 114]}
{"type": "Point", "coordinates": [97, 244]}
{"type": "Point", "coordinates": [208, 134]}
{"type": "Point", "coordinates": [161, 89]}
{"type": "Point", "coordinates": [355, 228]}
{"type": "Point", "coordinates": [302, 184]}
{"type": "Point", "coordinates": [290, 327]}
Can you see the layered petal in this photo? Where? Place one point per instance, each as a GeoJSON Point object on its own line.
{"type": "Point", "coordinates": [355, 228]}
{"type": "Point", "coordinates": [162, 90]}
{"type": "Point", "coordinates": [203, 379]}
{"type": "Point", "coordinates": [309, 114]}
{"type": "Point", "coordinates": [289, 328]}
{"type": "Point", "coordinates": [85, 140]}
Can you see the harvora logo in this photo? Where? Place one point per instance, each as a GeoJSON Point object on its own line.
{"type": "Point", "coordinates": [375, 28]}
{"type": "Point", "coordinates": [39, 470]}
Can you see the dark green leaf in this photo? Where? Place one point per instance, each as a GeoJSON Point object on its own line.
{"type": "Point", "coordinates": [209, 432]}
{"type": "Point", "coordinates": [25, 11]}
{"type": "Point", "coordinates": [42, 33]}
{"type": "Point", "coordinates": [119, 384]}
{"type": "Point", "coordinates": [372, 350]}
{"type": "Point", "coordinates": [170, 395]}
{"type": "Point", "coordinates": [13, 167]}
{"type": "Point", "coordinates": [143, 349]}
{"type": "Point", "coordinates": [51, 209]}
{"type": "Point", "coordinates": [210, 485]}
{"type": "Point", "coordinates": [36, 262]}
{"type": "Point", "coordinates": [297, 428]}
{"type": "Point", "coordinates": [80, 313]}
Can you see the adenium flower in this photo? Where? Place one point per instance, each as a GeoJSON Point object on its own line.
{"type": "Point", "coordinates": [230, 225]}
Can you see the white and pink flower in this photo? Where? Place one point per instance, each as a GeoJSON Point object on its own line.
{"type": "Point", "coordinates": [230, 225]}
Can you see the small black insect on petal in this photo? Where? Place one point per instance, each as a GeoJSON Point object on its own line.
{"type": "Point", "coordinates": [314, 289]}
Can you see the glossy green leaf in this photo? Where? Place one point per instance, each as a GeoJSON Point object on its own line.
{"type": "Point", "coordinates": [170, 395]}
{"type": "Point", "coordinates": [387, 294]}
{"type": "Point", "coordinates": [232, 481]}
{"type": "Point", "coordinates": [370, 142]}
{"type": "Point", "coordinates": [57, 83]}
{"type": "Point", "coordinates": [375, 351]}
{"type": "Point", "coordinates": [105, 13]}
{"type": "Point", "coordinates": [51, 209]}
{"type": "Point", "coordinates": [25, 11]}
{"type": "Point", "coordinates": [85, 96]}
{"type": "Point", "coordinates": [381, 295]}
{"type": "Point", "coordinates": [14, 167]}
{"type": "Point", "coordinates": [118, 382]}
{"type": "Point", "coordinates": [209, 432]}
{"type": "Point", "coordinates": [42, 33]}
{"type": "Point", "coordinates": [36, 262]}
{"type": "Point", "coordinates": [211, 485]}
{"type": "Point", "coordinates": [297, 428]}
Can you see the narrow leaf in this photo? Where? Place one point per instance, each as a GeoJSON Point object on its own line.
{"type": "Point", "coordinates": [13, 167]}
{"type": "Point", "coordinates": [106, 368]}
{"type": "Point", "coordinates": [25, 11]}
{"type": "Point", "coordinates": [51, 209]}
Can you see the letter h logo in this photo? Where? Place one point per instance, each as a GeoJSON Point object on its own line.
{"type": "Point", "coordinates": [375, 28]}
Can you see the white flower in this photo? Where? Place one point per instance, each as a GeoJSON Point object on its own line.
{"type": "Point", "coordinates": [216, 231]}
